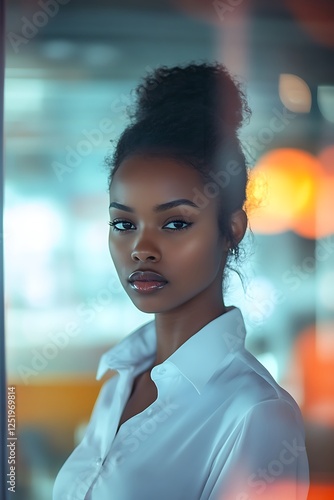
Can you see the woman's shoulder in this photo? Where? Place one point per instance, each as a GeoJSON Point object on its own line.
{"type": "Point", "coordinates": [253, 388]}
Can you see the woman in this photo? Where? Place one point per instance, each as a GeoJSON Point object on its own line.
{"type": "Point", "coordinates": [190, 413]}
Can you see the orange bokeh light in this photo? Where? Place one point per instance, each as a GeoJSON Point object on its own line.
{"type": "Point", "coordinates": [290, 189]}
{"type": "Point", "coordinates": [325, 206]}
{"type": "Point", "coordinates": [317, 220]}
{"type": "Point", "coordinates": [283, 188]}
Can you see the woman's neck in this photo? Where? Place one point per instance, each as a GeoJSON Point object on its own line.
{"type": "Point", "coordinates": [176, 327]}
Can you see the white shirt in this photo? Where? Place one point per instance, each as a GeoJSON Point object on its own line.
{"type": "Point", "coordinates": [220, 428]}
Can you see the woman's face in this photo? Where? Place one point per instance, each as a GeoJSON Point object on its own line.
{"type": "Point", "coordinates": [153, 231]}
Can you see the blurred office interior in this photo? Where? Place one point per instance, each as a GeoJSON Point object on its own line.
{"type": "Point", "coordinates": [70, 68]}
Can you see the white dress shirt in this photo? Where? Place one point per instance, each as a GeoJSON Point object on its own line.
{"type": "Point", "coordinates": [221, 428]}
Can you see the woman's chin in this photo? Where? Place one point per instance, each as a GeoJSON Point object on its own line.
{"type": "Point", "coordinates": [147, 306]}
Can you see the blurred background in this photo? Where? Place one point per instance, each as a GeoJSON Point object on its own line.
{"type": "Point", "coordinates": [70, 68]}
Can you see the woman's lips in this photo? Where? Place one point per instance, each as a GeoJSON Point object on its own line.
{"type": "Point", "coordinates": [147, 281]}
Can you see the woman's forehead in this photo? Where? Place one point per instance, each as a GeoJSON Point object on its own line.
{"type": "Point", "coordinates": [155, 172]}
{"type": "Point", "coordinates": [144, 182]}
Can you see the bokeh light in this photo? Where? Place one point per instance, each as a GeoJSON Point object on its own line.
{"type": "Point", "coordinates": [294, 93]}
{"type": "Point", "coordinates": [35, 227]}
{"type": "Point", "coordinates": [314, 353]}
{"type": "Point", "coordinates": [325, 98]}
{"type": "Point", "coordinates": [283, 187]}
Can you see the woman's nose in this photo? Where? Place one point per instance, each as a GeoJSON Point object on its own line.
{"type": "Point", "coordinates": [144, 256]}
{"type": "Point", "coordinates": [145, 251]}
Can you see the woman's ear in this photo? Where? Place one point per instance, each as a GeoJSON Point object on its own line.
{"type": "Point", "coordinates": [239, 222]}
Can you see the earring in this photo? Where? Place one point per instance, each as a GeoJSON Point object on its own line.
{"type": "Point", "coordinates": [234, 251]}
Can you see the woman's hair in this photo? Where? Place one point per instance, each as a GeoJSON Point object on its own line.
{"type": "Point", "coordinates": [192, 114]}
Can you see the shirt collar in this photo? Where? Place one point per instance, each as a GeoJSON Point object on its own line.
{"type": "Point", "coordinates": [197, 359]}
{"type": "Point", "coordinates": [134, 350]}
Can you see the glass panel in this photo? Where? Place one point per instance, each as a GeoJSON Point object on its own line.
{"type": "Point", "coordinates": [70, 69]}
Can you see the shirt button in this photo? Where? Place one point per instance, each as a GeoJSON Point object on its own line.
{"type": "Point", "coordinates": [98, 461]}
{"type": "Point", "coordinates": [149, 411]}
{"type": "Point", "coordinates": [161, 370]}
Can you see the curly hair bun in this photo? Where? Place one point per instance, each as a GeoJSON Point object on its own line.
{"type": "Point", "coordinates": [205, 91]}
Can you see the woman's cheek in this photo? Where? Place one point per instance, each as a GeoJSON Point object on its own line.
{"type": "Point", "coordinates": [194, 248]}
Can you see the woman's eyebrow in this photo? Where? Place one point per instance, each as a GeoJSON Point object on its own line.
{"type": "Point", "coordinates": [119, 206]}
{"type": "Point", "coordinates": [173, 204]}
{"type": "Point", "coordinates": [157, 208]}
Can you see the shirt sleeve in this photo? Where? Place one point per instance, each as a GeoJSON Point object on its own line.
{"type": "Point", "coordinates": [268, 459]}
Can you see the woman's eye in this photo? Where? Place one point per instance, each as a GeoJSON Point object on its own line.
{"type": "Point", "coordinates": [121, 225]}
{"type": "Point", "coordinates": [178, 224]}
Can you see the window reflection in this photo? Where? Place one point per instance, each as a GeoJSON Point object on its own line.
{"type": "Point", "coordinates": [66, 94]}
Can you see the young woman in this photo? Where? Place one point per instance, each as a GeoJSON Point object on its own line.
{"type": "Point", "coordinates": [189, 414]}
